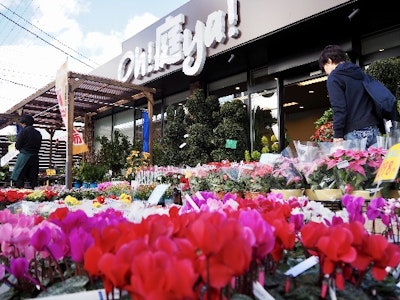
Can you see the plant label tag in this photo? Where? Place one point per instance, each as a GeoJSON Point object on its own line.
{"type": "Point", "coordinates": [302, 267]}
{"type": "Point", "coordinates": [157, 193]}
{"type": "Point", "coordinates": [192, 203]}
{"type": "Point", "coordinates": [260, 293]}
{"type": "Point", "coordinates": [198, 195]}
{"type": "Point", "coordinates": [342, 164]}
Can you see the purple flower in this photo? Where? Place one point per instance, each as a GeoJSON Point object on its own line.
{"type": "Point", "coordinates": [19, 267]}
{"type": "Point", "coordinates": [354, 206]}
{"type": "Point", "coordinates": [374, 209]}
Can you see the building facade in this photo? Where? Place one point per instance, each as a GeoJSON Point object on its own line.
{"type": "Point", "coordinates": [262, 52]}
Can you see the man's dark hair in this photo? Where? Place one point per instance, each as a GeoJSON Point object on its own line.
{"type": "Point", "coordinates": [333, 52]}
{"type": "Point", "coordinates": [27, 120]}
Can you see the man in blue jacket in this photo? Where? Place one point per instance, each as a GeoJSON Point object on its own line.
{"type": "Point", "coordinates": [29, 141]}
{"type": "Point", "coordinates": [354, 115]}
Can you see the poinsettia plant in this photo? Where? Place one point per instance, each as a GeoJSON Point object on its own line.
{"type": "Point", "coordinates": [356, 169]}
{"type": "Point", "coordinates": [286, 175]}
{"type": "Point", "coordinates": [324, 127]}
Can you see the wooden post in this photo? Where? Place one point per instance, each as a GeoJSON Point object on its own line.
{"type": "Point", "coordinates": [70, 125]}
{"type": "Point", "coordinates": [51, 132]}
{"type": "Point", "coordinates": [89, 137]}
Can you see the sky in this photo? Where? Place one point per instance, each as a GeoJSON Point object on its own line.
{"type": "Point", "coordinates": [37, 37]}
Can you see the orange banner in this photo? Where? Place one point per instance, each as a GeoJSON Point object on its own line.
{"type": "Point", "coordinates": [78, 144]}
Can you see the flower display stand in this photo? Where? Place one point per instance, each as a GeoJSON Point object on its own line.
{"type": "Point", "coordinates": [288, 193]}
{"type": "Point", "coordinates": [310, 194]}
{"type": "Point", "coordinates": [328, 194]}
{"type": "Point", "coordinates": [253, 195]}
{"type": "Point", "coordinates": [331, 198]}
{"type": "Point", "coordinates": [362, 193]}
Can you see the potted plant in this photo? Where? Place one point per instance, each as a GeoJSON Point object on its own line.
{"type": "Point", "coordinates": [286, 178]}
{"type": "Point", "coordinates": [4, 175]}
{"type": "Point", "coordinates": [92, 173]}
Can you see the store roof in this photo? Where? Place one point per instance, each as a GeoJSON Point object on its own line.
{"type": "Point", "coordinates": [92, 94]}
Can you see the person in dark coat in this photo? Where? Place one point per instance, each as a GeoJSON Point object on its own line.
{"type": "Point", "coordinates": [29, 140]}
{"type": "Point", "coordinates": [354, 116]}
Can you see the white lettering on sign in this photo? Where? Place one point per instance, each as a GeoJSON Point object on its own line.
{"type": "Point", "coordinates": [175, 45]}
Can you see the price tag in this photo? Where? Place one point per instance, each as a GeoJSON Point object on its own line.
{"type": "Point", "coordinates": [390, 165]}
{"type": "Point", "coordinates": [50, 172]}
{"type": "Point", "coordinates": [343, 164]}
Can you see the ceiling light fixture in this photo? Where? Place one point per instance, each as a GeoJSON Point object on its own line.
{"type": "Point", "coordinates": [311, 81]}
{"type": "Point", "coordinates": [290, 104]}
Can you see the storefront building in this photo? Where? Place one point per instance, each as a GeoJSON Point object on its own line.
{"type": "Point", "coordinates": [262, 52]}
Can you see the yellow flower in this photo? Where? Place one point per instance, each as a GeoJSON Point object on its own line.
{"type": "Point", "coordinates": [96, 204]}
{"type": "Point", "coordinates": [136, 162]}
{"type": "Point", "coordinates": [125, 198]}
{"type": "Point", "coordinates": [69, 200]}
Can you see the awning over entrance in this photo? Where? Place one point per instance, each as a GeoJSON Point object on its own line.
{"type": "Point", "coordinates": [90, 95]}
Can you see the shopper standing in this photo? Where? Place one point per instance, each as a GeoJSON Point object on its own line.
{"type": "Point", "coordinates": [354, 114]}
{"type": "Point", "coordinates": [29, 141]}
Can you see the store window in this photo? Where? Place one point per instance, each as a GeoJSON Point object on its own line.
{"type": "Point", "coordinates": [102, 128]}
{"type": "Point", "coordinates": [264, 127]}
{"type": "Point", "coordinates": [123, 122]}
{"type": "Point", "coordinates": [263, 121]}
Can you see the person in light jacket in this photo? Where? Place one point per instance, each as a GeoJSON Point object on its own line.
{"type": "Point", "coordinates": [29, 140]}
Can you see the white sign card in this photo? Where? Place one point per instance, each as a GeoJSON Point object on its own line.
{"type": "Point", "coordinates": [157, 194]}
{"type": "Point", "coordinates": [302, 267]}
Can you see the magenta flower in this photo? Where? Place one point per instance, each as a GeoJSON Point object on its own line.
{"type": "Point", "coordinates": [354, 206]}
{"type": "Point", "coordinates": [79, 241]}
{"type": "Point", "coordinates": [49, 239]}
{"type": "Point", "coordinates": [264, 239]}
{"type": "Point", "coordinates": [374, 209]}
{"type": "Point", "coordinates": [19, 267]}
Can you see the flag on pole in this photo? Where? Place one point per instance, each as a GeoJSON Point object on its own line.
{"type": "Point", "coordinates": [146, 131]}
{"type": "Point", "coordinates": [61, 86]}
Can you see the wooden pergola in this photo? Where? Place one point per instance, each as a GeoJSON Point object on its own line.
{"type": "Point", "coordinates": [88, 95]}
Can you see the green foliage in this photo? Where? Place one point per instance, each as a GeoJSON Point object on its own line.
{"type": "Point", "coordinates": [113, 152]}
{"type": "Point", "coordinates": [233, 126]}
{"type": "Point", "coordinates": [92, 172]}
{"type": "Point", "coordinates": [326, 116]}
{"type": "Point", "coordinates": [199, 144]}
{"type": "Point", "coordinates": [247, 156]}
{"type": "Point", "coordinates": [70, 285]}
{"type": "Point", "coordinates": [5, 173]}
{"type": "Point", "coordinates": [208, 126]}
{"type": "Point", "coordinates": [201, 109]}
{"type": "Point", "coordinates": [170, 153]}
{"type": "Point", "coordinates": [202, 117]}
{"type": "Point", "coordinates": [228, 129]}
{"type": "Point", "coordinates": [387, 71]}
{"type": "Point", "coordinates": [255, 155]}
